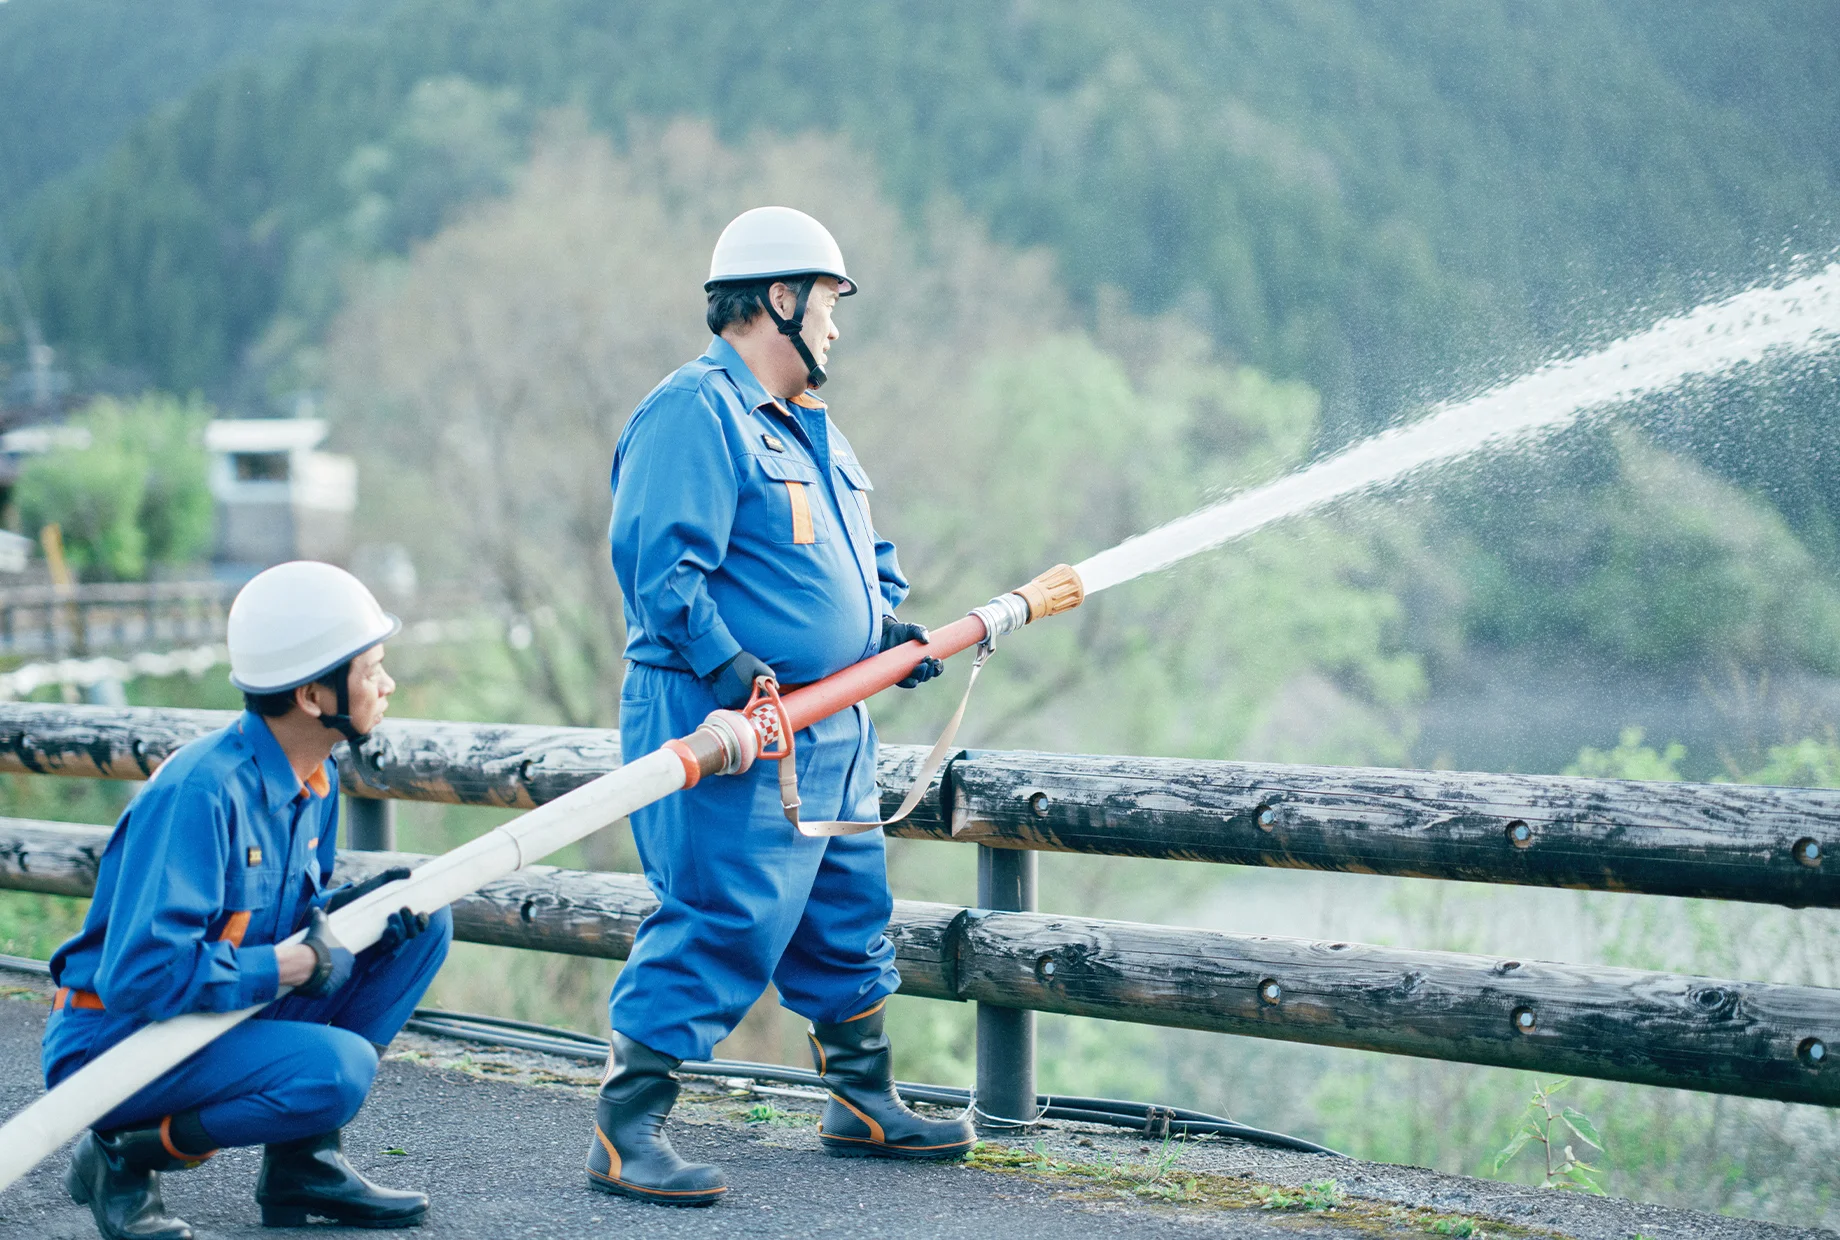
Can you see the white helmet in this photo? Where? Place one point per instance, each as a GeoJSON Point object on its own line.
{"type": "Point", "coordinates": [769, 242]}
{"type": "Point", "coordinates": [295, 622]}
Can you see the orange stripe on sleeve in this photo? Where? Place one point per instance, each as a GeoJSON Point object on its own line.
{"type": "Point", "coordinates": [235, 929]}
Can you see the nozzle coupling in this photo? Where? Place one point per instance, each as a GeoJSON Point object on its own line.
{"type": "Point", "coordinates": [725, 743]}
{"type": "Point", "coordinates": [1057, 590]}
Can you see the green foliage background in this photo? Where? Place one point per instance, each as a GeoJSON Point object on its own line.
{"type": "Point", "coordinates": [135, 497]}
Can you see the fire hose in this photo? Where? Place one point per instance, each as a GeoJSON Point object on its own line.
{"type": "Point", "coordinates": [727, 743]}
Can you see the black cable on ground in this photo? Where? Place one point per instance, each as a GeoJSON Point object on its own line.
{"type": "Point", "coordinates": [1155, 1121]}
{"type": "Point", "coordinates": [1137, 1116]}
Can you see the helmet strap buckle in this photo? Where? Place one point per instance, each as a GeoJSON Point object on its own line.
{"type": "Point", "coordinates": [793, 329]}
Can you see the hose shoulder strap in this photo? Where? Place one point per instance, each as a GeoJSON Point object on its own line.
{"type": "Point", "coordinates": [935, 758]}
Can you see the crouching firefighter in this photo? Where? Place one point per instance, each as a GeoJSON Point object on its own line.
{"type": "Point", "coordinates": [227, 851]}
{"type": "Point", "coordinates": [745, 552]}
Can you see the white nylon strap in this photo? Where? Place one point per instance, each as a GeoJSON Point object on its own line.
{"type": "Point", "coordinates": [935, 758]}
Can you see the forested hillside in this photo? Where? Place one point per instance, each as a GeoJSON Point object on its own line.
{"type": "Point", "coordinates": [1386, 200]}
{"type": "Point", "coordinates": [75, 75]}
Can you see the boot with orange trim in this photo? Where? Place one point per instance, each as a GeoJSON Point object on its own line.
{"type": "Point", "coordinates": [630, 1154]}
{"type": "Point", "coordinates": [865, 1118]}
{"type": "Point", "coordinates": [117, 1175]}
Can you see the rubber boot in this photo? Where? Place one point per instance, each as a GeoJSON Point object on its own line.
{"type": "Point", "coordinates": [311, 1177]}
{"type": "Point", "coordinates": [630, 1154]}
{"type": "Point", "coordinates": [865, 1118]}
{"type": "Point", "coordinates": [117, 1175]}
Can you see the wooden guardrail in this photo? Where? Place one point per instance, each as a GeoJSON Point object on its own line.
{"type": "Point", "coordinates": [109, 617]}
{"type": "Point", "coordinates": [1724, 841]}
{"type": "Point", "coordinates": [1755, 1039]}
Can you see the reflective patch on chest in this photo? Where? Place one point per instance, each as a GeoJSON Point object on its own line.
{"type": "Point", "coordinates": [803, 531]}
{"type": "Point", "coordinates": [254, 856]}
{"type": "Point", "coordinates": [774, 443]}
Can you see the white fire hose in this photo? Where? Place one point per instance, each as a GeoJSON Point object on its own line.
{"type": "Point", "coordinates": [136, 1061]}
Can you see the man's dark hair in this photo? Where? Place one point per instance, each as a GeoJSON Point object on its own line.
{"type": "Point", "coordinates": [276, 704]}
{"type": "Point", "coordinates": [736, 303]}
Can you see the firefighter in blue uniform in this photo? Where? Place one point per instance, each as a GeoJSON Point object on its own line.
{"type": "Point", "coordinates": [227, 851]}
{"type": "Point", "coordinates": [744, 547]}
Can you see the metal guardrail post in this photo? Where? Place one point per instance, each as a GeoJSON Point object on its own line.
{"type": "Point", "coordinates": [1005, 1036]}
{"type": "Point", "coordinates": [370, 824]}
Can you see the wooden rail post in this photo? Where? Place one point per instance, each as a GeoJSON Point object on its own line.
{"type": "Point", "coordinates": [370, 824]}
{"type": "Point", "coordinates": [1005, 1035]}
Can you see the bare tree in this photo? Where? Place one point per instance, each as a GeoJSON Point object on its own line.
{"type": "Point", "coordinates": [488, 376]}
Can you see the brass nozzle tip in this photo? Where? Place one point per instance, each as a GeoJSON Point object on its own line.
{"type": "Point", "coordinates": [1057, 590]}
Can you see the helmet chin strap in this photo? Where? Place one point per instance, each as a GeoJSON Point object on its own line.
{"type": "Point", "coordinates": [341, 722]}
{"type": "Point", "coordinates": [793, 329]}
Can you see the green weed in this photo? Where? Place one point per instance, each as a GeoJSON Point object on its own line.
{"type": "Point", "coordinates": [1466, 1227]}
{"type": "Point", "coordinates": [1548, 1124]}
{"type": "Point", "coordinates": [1318, 1195]}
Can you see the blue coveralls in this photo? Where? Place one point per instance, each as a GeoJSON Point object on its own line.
{"type": "Point", "coordinates": [222, 855]}
{"type": "Point", "coordinates": [743, 524]}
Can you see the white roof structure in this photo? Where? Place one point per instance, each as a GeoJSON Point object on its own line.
{"type": "Point", "coordinates": [249, 435]}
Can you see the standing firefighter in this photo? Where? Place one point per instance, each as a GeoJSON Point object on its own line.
{"type": "Point", "coordinates": [744, 548]}
{"type": "Point", "coordinates": [226, 852]}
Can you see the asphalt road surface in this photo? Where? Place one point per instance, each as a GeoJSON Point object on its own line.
{"type": "Point", "coordinates": [497, 1140]}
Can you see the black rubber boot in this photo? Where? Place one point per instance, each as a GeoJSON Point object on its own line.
{"type": "Point", "coordinates": [311, 1177]}
{"type": "Point", "coordinates": [865, 1118]}
{"type": "Point", "coordinates": [630, 1154]}
{"type": "Point", "coordinates": [117, 1175]}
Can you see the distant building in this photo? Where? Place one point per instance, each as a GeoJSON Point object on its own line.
{"type": "Point", "coordinates": [15, 552]}
{"type": "Point", "coordinates": [279, 497]}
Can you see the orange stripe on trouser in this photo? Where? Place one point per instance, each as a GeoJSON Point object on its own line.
{"type": "Point", "coordinates": [166, 1139]}
{"type": "Point", "coordinates": [802, 530]}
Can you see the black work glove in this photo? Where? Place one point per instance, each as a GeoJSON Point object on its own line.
{"type": "Point", "coordinates": [733, 682]}
{"type": "Point", "coordinates": [401, 926]}
{"type": "Point", "coordinates": [339, 897]}
{"type": "Point", "coordinates": [335, 959]}
{"type": "Point", "coordinates": [899, 633]}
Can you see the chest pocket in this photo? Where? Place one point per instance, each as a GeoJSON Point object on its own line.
{"type": "Point", "coordinates": [791, 508]}
{"type": "Point", "coordinates": [859, 486]}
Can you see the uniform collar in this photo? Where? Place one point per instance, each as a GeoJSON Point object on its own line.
{"type": "Point", "coordinates": [721, 353]}
{"type": "Point", "coordinates": [279, 783]}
